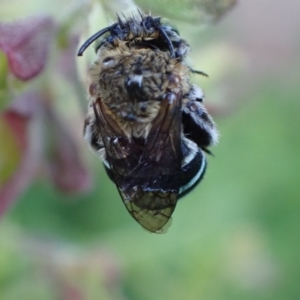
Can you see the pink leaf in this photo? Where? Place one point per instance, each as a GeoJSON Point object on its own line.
{"type": "Point", "coordinates": [68, 169]}
{"type": "Point", "coordinates": [19, 152]}
{"type": "Point", "coordinates": [26, 44]}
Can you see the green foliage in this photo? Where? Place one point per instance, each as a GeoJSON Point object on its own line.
{"type": "Point", "coordinates": [10, 152]}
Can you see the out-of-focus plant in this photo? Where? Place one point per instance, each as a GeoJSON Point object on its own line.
{"type": "Point", "coordinates": [55, 270]}
{"type": "Point", "coordinates": [34, 135]}
{"type": "Point", "coordinates": [37, 70]}
{"type": "Point", "coordinates": [198, 11]}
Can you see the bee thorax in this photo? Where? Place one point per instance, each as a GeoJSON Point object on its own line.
{"type": "Point", "coordinates": [133, 83]}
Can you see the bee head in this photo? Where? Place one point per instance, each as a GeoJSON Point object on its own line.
{"type": "Point", "coordinates": [144, 31]}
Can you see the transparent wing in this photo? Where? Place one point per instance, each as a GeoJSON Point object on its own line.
{"type": "Point", "coordinates": [146, 172]}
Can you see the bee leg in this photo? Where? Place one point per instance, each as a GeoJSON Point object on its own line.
{"type": "Point", "coordinates": [198, 125]}
{"type": "Point", "coordinates": [199, 132]}
{"type": "Point", "coordinates": [93, 138]}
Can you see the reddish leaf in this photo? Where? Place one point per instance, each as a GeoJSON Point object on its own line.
{"type": "Point", "coordinates": [11, 125]}
{"type": "Point", "coordinates": [26, 44]}
{"type": "Point", "coordinates": [71, 292]}
{"type": "Point", "coordinates": [14, 130]}
{"type": "Point", "coordinates": [19, 152]}
{"type": "Point", "coordinates": [68, 170]}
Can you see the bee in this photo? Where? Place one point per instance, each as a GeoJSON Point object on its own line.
{"type": "Point", "coordinates": [146, 121]}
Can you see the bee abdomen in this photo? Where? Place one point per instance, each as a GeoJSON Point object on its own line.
{"type": "Point", "coordinates": [193, 166]}
{"type": "Point", "coordinates": [192, 173]}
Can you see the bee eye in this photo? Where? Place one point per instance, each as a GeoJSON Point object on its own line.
{"type": "Point", "coordinates": [108, 61]}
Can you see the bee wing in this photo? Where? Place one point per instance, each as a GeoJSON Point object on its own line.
{"type": "Point", "coordinates": [146, 172]}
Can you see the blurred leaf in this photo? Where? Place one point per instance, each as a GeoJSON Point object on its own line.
{"type": "Point", "coordinates": [117, 6]}
{"type": "Point", "coordinates": [3, 81]}
{"type": "Point", "coordinates": [12, 265]}
{"type": "Point", "coordinates": [65, 66]}
{"type": "Point", "coordinates": [18, 155]}
{"type": "Point", "coordinates": [199, 11]}
{"type": "Point", "coordinates": [66, 63]}
{"type": "Point", "coordinates": [67, 168]}
{"type": "Point", "coordinates": [12, 131]}
{"type": "Point", "coordinates": [26, 44]}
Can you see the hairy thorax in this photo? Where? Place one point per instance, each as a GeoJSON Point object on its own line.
{"type": "Point", "coordinates": [132, 81]}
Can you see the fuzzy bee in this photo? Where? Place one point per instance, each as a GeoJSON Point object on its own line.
{"type": "Point", "coordinates": [145, 120]}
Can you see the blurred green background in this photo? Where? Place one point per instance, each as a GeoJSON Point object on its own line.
{"type": "Point", "coordinates": [234, 237]}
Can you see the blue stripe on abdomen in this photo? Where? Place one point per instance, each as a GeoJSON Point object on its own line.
{"type": "Point", "coordinates": [192, 173]}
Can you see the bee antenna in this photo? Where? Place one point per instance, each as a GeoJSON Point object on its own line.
{"type": "Point", "coordinates": [167, 39]}
{"type": "Point", "coordinates": [199, 72]}
{"type": "Point", "coordinates": [92, 39]}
